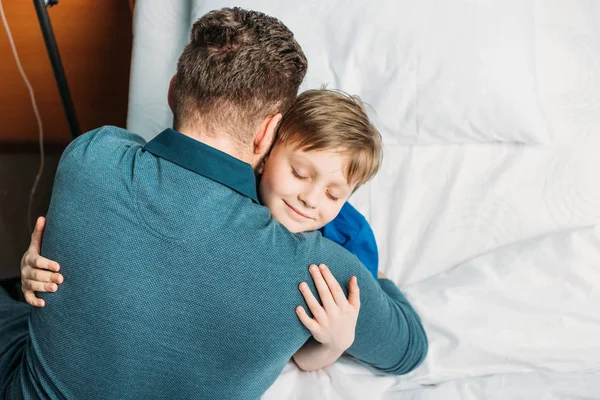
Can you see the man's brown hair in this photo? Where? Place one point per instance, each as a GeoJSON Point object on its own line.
{"type": "Point", "coordinates": [333, 120]}
{"type": "Point", "coordinates": [239, 68]}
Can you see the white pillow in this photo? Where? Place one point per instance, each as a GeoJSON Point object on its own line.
{"type": "Point", "coordinates": [434, 71]}
{"type": "Point", "coordinates": [531, 305]}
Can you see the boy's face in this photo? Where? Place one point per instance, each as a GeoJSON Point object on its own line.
{"type": "Point", "coordinates": [304, 190]}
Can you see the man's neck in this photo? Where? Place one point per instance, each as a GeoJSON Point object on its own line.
{"type": "Point", "coordinates": [220, 141]}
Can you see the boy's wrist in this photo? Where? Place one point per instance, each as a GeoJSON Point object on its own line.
{"type": "Point", "coordinates": [315, 355]}
{"type": "Point", "coordinates": [333, 351]}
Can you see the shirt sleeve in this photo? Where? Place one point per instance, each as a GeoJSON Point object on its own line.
{"type": "Point", "coordinates": [389, 335]}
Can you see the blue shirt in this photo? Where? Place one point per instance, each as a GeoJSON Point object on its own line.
{"type": "Point", "coordinates": [178, 284]}
{"type": "Point", "coordinates": [351, 230]}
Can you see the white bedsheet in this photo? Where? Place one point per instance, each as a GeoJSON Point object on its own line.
{"type": "Point", "coordinates": [434, 207]}
{"type": "Point", "coordinates": [337, 383]}
{"type": "Point", "coordinates": [503, 325]}
{"type": "Point", "coordinates": [342, 381]}
{"type": "Point", "coordinates": [494, 244]}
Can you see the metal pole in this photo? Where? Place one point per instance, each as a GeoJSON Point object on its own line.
{"type": "Point", "coordinates": [59, 73]}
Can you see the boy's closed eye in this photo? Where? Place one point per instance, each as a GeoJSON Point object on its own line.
{"type": "Point", "coordinates": [301, 177]}
{"type": "Point", "coordinates": [332, 197]}
{"type": "Point", "coordinates": [297, 175]}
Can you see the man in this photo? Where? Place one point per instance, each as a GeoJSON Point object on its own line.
{"type": "Point", "coordinates": [193, 284]}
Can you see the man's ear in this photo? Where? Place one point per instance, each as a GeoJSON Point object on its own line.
{"type": "Point", "coordinates": [263, 139]}
{"type": "Point", "coordinates": [170, 98]}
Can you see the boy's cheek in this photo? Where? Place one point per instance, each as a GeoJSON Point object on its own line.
{"type": "Point", "coordinates": [331, 214]}
{"type": "Point", "coordinates": [282, 185]}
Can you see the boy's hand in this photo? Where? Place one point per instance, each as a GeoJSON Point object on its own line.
{"type": "Point", "coordinates": [38, 274]}
{"type": "Point", "coordinates": [334, 323]}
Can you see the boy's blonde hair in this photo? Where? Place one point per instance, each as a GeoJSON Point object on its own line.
{"type": "Point", "coordinates": [331, 119]}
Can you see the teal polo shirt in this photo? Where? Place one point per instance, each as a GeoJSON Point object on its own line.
{"type": "Point", "coordinates": [178, 284]}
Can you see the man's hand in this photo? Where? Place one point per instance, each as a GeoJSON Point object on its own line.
{"type": "Point", "coordinates": [38, 274]}
{"type": "Point", "coordinates": [334, 323]}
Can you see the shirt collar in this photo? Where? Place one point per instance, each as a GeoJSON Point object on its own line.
{"type": "Point", "coordinates": [204, 160]}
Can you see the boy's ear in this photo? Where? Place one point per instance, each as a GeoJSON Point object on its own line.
{"type": "Point", "coordinates": [261, 167]}
{"type": "Point", "coordinates": [265, 135]}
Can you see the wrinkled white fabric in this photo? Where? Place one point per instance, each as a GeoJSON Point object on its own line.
{"type": "Point", "coordinates": [433, 72]}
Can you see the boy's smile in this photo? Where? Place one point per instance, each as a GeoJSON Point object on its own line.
{"type": "Point", "coordinates": [295, 214]}
{"type": "Point", "coordinates": [304, 190]}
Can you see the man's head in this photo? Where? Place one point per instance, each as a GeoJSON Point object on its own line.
{"type": "Point", "coordinates": [240, 72]}
{"type": "Point", "coordinates": [326, 148]}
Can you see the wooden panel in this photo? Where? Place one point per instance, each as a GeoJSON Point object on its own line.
{"type": "Point", "coordinates": [94, 40]}
{"type": "Point", "coordinates": [17, 174]}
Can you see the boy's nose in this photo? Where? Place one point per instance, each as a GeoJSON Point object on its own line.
{"type": "Point", "coordinates": [309, 199]}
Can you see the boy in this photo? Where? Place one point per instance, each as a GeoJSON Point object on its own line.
{"type": "Point", "coordinates": [325, 149]}
{"type": "Point", "coordinates": [325, 127]}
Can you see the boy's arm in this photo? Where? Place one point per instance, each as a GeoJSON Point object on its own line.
{"type": "Point", "coordinates": [361, 242]}
{"type": "Point", "coordinates": [333, 320]}
{"type": "Point", "coordinates": [313, 356]}
{"type": "Point", "coordinates": [38, 274]}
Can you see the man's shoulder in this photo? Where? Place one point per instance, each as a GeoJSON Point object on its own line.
{"type": "Point", "coordinates": [321, 249]}
{"type": "Point", "coordinates": [106, 138]}
{"type": "Point", "coordinates": [305, 246]}
{"type": "Point", "coordinates": [96, 158]}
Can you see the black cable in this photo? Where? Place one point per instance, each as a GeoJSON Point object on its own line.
{"type": "Point", "coordinates": [59, 73]}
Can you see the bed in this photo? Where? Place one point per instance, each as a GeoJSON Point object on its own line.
{"type": "Point", "coordinates": [495, 239]}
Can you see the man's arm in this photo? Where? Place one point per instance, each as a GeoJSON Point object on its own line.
{"type": "Point", "coordinates": [39, 274]}
{"type": "Point", "coordinates": [411, 352]}
{"type": "Point", "coordinates": [389, 334]}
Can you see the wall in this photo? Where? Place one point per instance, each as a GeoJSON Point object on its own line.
{"type": "Point", "coordinates": [94, 39]}
{"type": "Point", "coordinates": [17, 173]}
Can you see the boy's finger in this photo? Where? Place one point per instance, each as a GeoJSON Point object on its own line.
{"type": "Point", "coordinates": [334, 287]}
{"type": "Point", "coordinates": [322, 288]}
{"type": "Point", "coordinates": [44, 263]}
{"type": "Point", "coordinates": [354, 292]}
{"type": "Point", "coordinates": [57, 278]}
{"type": "Point", "coordinates": [35, 274]}
{"type": "Point", "coordinates": [36, 235]}
{"type": "Point", "coordinates": [34, 301]}
{"type": "Point", "coordinates": [37, 261]}
{"type": "Point", "coordinates": [307, 321]}
{"type": "Point", "coordinates": [37, 286]}
{"type": "Point", "coordinates": [313, 304]}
